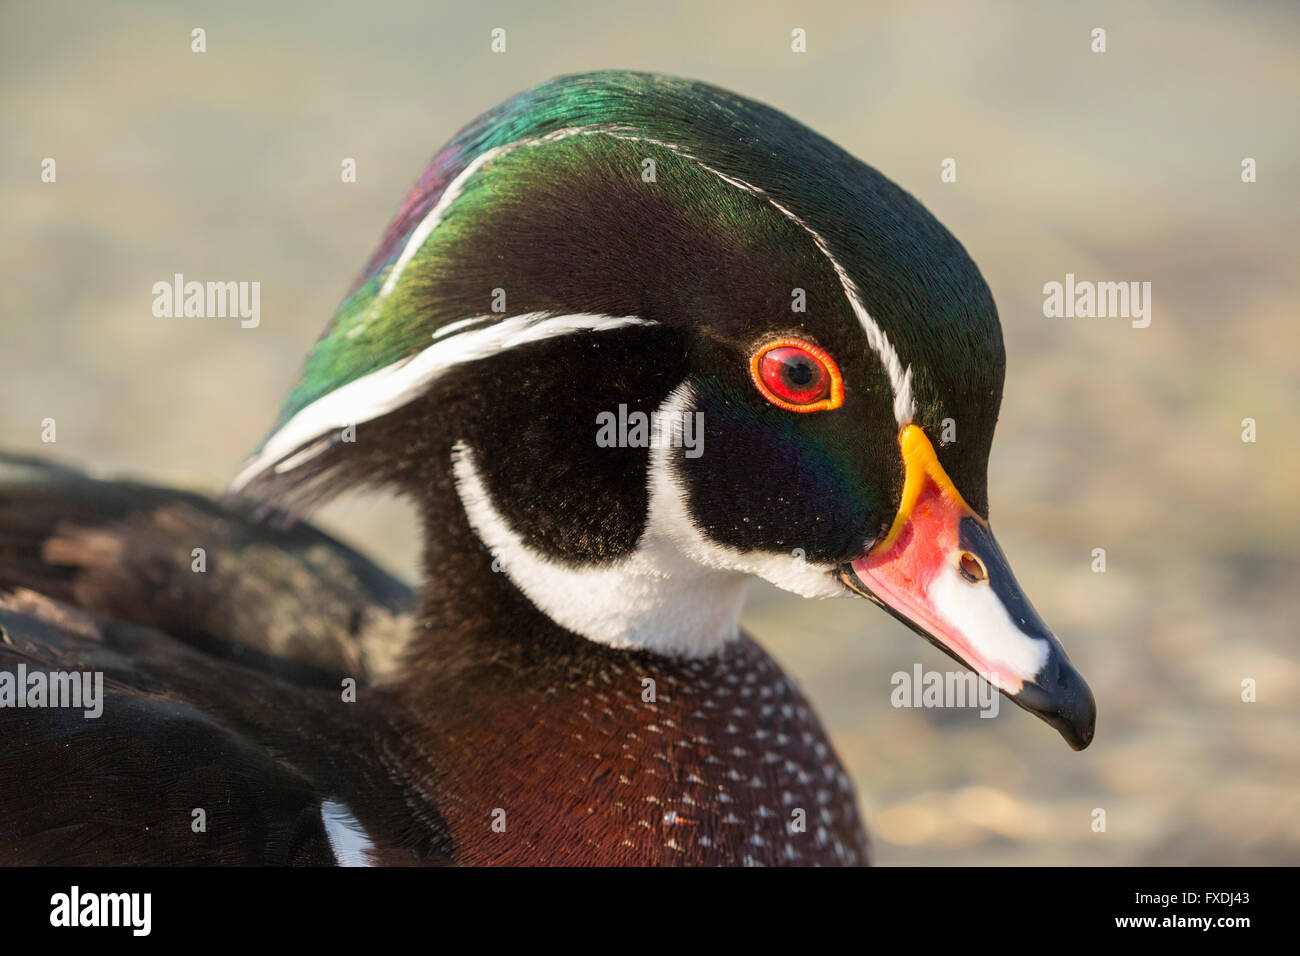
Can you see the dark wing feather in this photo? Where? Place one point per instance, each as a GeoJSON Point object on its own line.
{"type": "Point", "coordinates": [221, 689]}
{"type": "Point", "coordinates": [289, 596]}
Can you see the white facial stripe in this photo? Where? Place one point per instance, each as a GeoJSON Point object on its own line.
{"type": "Point", "coordinates": [433, 218]}
{"type": "Point", "coordinates": [677, 594]}
{"type": "Point", "coordinates": [671, 523]}
{"type": "Point", "coordinates": [347, 838]}
{"type": "Point", "coordinates": [391, 387]}
{"type": "Point", "coordinates": [900, 378]}
{"type": "Point", "coordinates": [975, 612]}
{"type": "Point", "coordinates": [457, 326]}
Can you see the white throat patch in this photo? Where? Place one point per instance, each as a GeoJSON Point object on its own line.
{"type": "Point", "coordinates": [677, 594]}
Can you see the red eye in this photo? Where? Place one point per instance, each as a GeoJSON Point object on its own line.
{"type": "Point", "coordinates": [797, 376]}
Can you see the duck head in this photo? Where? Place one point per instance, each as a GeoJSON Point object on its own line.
{"type": "Point", "coordinates": [647, 339]}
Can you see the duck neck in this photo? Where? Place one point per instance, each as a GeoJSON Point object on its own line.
{"type": "Point", "coordinates": [598, 755]}
{"type": "Point", "coordinates": [511, 724]}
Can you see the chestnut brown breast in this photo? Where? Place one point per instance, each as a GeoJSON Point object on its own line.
{"type": "Point", "coordinates": [594, 756]}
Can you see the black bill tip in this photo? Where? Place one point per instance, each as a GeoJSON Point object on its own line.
{"type": "Point", "coordinates": [1061, 697]}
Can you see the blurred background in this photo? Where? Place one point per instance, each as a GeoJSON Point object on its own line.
{"type": "Point", "coordinates": [1117, 166]}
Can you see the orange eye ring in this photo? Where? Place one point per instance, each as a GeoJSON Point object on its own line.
{"type": "Point", "coordinates": [827, 397]}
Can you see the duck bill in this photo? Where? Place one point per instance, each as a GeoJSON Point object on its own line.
{"type": "Point", "coordinates": [941, 572]}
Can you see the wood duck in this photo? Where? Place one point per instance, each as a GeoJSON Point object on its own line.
{"type": "Point", "coordinates": [630, 341]}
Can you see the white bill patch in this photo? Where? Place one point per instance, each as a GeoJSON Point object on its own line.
{"type": "Point", "coordinates": [976, 613]}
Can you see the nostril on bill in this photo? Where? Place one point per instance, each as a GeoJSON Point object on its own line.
{"type": "Point", "coordinates": [972, 568]}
